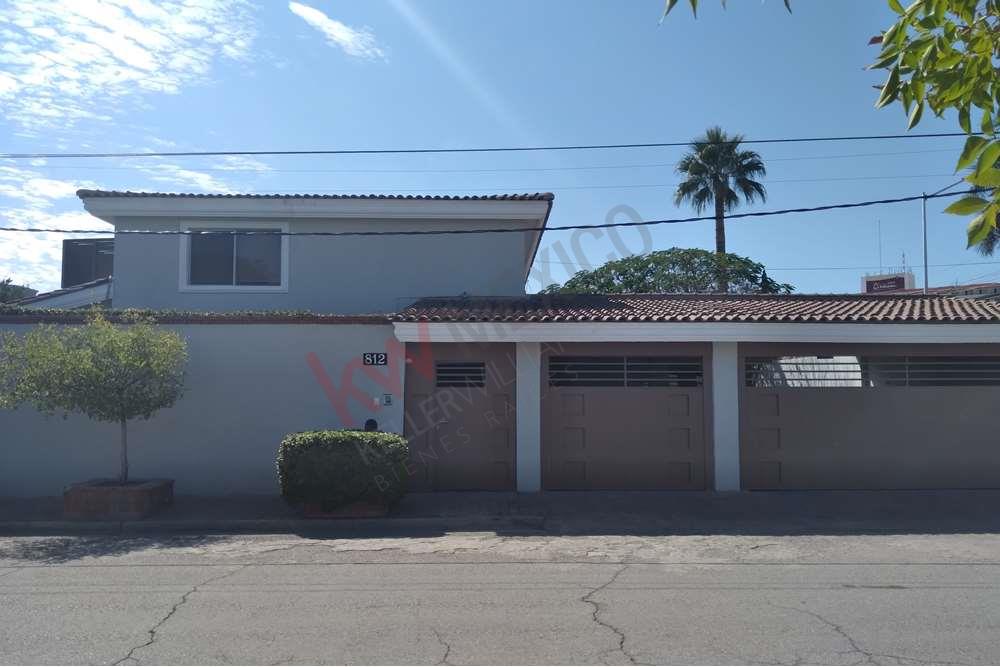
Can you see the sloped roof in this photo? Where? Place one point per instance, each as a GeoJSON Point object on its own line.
{"type": "Point", "coordinates": [759, 308]}
{"type": "Point", "coordinates": [44, 296]}
{"type": "Point", "coordinates": [536, 196]}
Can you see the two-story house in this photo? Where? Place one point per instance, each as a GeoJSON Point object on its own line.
{"type": "Point", "coordinates": [418, 319]}
{"type": "Point", "coordinates": [300, 268]}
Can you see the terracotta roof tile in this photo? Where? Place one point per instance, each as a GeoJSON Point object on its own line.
{"type": "Point", "coordinates": [821, 308]}
{"type": "Point", "coordinates": [536, 196]}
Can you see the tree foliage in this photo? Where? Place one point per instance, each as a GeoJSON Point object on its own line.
{"type": "Point", "coordinates": [677, 270]}
{"type": "Point", "coordinates": [941, 55]}
{"type": "Point", "coordinates": [108, 372]}
{"type": "Point", "coordinates": [11, 292]}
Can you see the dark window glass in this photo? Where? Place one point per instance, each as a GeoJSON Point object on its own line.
{"type": "Point", "coordinates": [104, 263]}
{"type": "Point", "coordinates": [85, 260]}
{"type": "Point", "coordinates": [258, 260]}
{"type": "Point", "coordinates": [211, 259]}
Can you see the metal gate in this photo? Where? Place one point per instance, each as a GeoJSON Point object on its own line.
{"type": "Point", "coordinates": [459, 416]}
{"type": "Point", "coordinates": [870, 416]}
{"type": "Point", "coordinates": [623, 417]}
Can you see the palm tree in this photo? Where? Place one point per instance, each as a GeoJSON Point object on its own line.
{"type": "Point", "coordinates": [988, 245]}
{"type": "Point", "coordinates": [717, 172]}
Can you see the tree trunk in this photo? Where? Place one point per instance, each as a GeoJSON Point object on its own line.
{"type": "Point", "coordinates": [720, 239]}
{"type": "Point", "coordinates": [123, 475]}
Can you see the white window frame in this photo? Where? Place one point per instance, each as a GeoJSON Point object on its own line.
{"type": "Point", "coordinates": [184, 261]}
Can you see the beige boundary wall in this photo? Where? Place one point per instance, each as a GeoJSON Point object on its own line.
{"type": "Point", "coordinates": [248, 384]}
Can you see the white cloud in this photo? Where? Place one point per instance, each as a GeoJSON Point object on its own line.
{"type": "Point", "coordinates": [34, 259]}
{"type": "Point", "coordinates": [355, 42]}
{"type": "Point", "coordinates": [35, 190]}
{"type": "Point", "coordinates": [28, 197]}
{"type": "Point", "coordinates": [31, 200]}
{"type": "Point", "coordinates": [242, 163]}
{"type": "Point", "coordinates": [62, 61]}
{"type": "Point", "coordinates": [183, 177]}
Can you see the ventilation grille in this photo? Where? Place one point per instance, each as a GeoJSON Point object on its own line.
{"type": "Point", "coordinates": [663, 371]}
{"type": "Point", "coordinates": [850, 371]}
{"type": "Point", "coordinates": [625, 371]}
{"type": "Point", "coordinates": [460, 374]}
{"type": "Point", "coordinates": [586, 371]}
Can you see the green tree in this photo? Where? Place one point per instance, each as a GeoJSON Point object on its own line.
{"type": "Point", "coordinates": [941, 55]}
{"type": "Point", "coordinates": [108, 372]}
{"type": "Point", "coordinates": [717, 171]}
{"type": "Point", "coordinates": [677, 270]}
{"type": "Point", "coordinates": [11, 292]}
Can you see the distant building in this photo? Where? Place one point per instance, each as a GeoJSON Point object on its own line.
{"type": "Point", "coordinates": [887, 282]}
{"type": "Point", "coordinates": [971, 291]}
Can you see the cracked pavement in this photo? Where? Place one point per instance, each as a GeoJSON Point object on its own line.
{"type": "Point", "coordinates": [461, 598]}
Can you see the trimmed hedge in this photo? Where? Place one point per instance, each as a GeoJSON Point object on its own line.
{"type": "Point", "coordinates": [336, 468]}
{"type": "Point", "coordinates": [21, 315]}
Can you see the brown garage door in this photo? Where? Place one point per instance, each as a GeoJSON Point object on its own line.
{"type": "Point", "coordinates": [870, 417]}
{"type": "Point", "coordinates": [619, 417]}
{"type": "Point", "coordinates": [459, 416]}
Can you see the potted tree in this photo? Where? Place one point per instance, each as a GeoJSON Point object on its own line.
{"type": "Point", "coordinates": [108, 372]}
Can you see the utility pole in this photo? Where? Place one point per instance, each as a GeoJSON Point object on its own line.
{"type": "Point", "coordinates": [923, 202]}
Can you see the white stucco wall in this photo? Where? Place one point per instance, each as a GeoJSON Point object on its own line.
{"type": "Point", "coordinates": [344, 275]}
{"type": "Point", "coordinates": [247, 386]}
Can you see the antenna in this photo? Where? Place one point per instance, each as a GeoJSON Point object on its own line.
{"type": "Point", "coordinates": [878, 225]}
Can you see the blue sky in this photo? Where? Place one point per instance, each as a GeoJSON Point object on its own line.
{"type": "Point", "coordinates": [123, 75]}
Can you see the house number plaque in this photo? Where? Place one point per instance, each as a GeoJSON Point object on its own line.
{"type": "Point", "coordinates": [375, 358]}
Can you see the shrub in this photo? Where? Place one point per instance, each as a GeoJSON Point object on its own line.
{"type": "Point", "coordinates": [335, 468]}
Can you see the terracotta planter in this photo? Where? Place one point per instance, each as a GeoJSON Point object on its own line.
{"type": "Point", "coordinates": [359, 510]}
{"type": "Point", "coordinates": [107, 500]}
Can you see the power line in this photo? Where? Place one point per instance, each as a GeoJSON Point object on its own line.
{"type": "Point", "coordinates": [490, 149]}
{"type": "Point", "coordinates": [559, 188]}
{"type": "Point", "coordinates": [605, 186]}
{"type": "Point", "coordinates": [821, 268]}
{"type": "Point", "coordinates": [501, 230]}
{"type": "Point", "coordinates": [647, 165]}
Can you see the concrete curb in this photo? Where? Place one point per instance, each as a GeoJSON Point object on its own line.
{"type": "Point", "coordinates": [271, 526]}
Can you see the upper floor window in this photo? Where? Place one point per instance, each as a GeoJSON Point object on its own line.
{"type": "Point", "coordinates": [216, 258]}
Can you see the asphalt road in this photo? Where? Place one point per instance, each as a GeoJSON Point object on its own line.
{"type": "Point", "coordinates": [482, 598]}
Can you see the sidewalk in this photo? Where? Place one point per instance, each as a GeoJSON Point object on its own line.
{"type": "Point", "coordinates": [581, 513]}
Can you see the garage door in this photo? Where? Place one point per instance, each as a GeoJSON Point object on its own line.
{"type": "Point", "coordinates": [459, 416]}
{"type": "Point", "coordinates": [870, 417]}
{"type": "Point", "coordinates": [618, 418]}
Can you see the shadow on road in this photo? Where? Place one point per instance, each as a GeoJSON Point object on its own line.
{"type": "Point", "coordinates": [635, 513]}
{"type": "Point", "coordinates": [688, 513]}
{"type": "Point", "coordinates": [57, 550]}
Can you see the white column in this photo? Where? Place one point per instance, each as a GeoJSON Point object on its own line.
{"type": "Point", "coordinates": [529, 417]}
{"type": "Point", "coordinates": [726, 415]}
